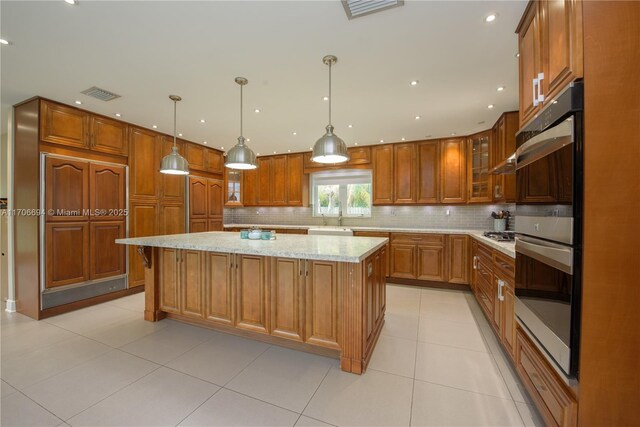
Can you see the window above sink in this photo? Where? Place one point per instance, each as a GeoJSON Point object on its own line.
{"type": "Point", "coordinates": [346, 189]}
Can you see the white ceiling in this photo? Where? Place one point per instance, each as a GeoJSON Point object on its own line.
{"type": "Point", "coordinates": [147, 50]}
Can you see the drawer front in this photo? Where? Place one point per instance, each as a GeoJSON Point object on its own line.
{"type": "Point", "coordinates": [418, 238]}
{"type": "Point", "coordinates": [555, 402]}
{"type": "Point", "coordinates": [485, 253]}
{"type": "Point", "coordinates": [485, 297]}
{"type": "Point", "coordinates": [505, 264]}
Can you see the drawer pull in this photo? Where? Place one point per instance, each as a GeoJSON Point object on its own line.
{"type": "Point", "coordinates": [539, 387]}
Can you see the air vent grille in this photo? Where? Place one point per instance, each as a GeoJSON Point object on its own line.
{"type": "Point", "coordinates": [101, 94]}
{"type": "Point", "coordinates": [358, 8]}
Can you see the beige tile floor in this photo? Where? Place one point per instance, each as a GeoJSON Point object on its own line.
{"type": "Point", "coordinates": [437, 363]}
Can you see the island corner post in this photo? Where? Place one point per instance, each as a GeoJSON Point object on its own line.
{"type": "Point", "coordinates": [332, 308]}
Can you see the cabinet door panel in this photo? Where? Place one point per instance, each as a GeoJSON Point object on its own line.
{"type": "Point", "coordinates": [194, 154]}
{"type": "Point", "coordinates": [109, 136]}
{"type": "Point", "coordinates": [219, 288]}
{"type": "Point", "coordinates": [403, 261]}
{"type": "Point", "coordinates": [478, 164]}
{"type": "Point", "coordinates": [215, 224]}
{"type": "Point", "coordinates": [107, 257]}
{"type": "Point", "coordinates": [508, 326]}
{"type": "Point", "coordinates": [191, 282]}
{"type": "Point", "coordinates": [198, 225]}
{"type": "Point", "coordinates": [295, 180]}
{"type": "Point", "coordinates": [428, 181]}
{"type": "Point", "coordinates": [382, 174]}
{"type": "Point", "coordinates": [250, 181]}
{"type": "Point", "coordinates": [322, 304]}
{"type": "Point", "coordinates": [197, 197]}
{"type": "Point", "coordinates": [215, 161]}
{"type": "Point", "coordinates": [144, 158]}
{"type": "Point", "coordinates": [264, 181]}
{"type": "Point", "coordinates": [63, 125]}
{"type": "Point", "coordinates": [404, 188]}
{"type": "Point", "coordinates": [142, 223]}
{"type": "Point", "coordinates": [453, 171]}
{"type": "Point", "coordinates": [458, 254]}
{"type": "Point", "coordinates": [287, 297]}
{"type": "Point", "coordinates": [278, 180]}
{"type": "Point", "coordinates": [171, 219]}
{"type": "Point", "coordinates": [169, 280]}
{"type": "Point", "coordinates": [252, 293]}
{"type": "Point", "coordinates": [215, 196]}
{"type": "Point", "coordinates": [67, 189]}
{"type": "Point", "coordinates": [359, 155]}
{"type": "Point", "coordinates": [107, 190]}
{"type": "Point", "coordinates": [67, 253]}
{"type": "Point", "coordinates": [529, 61]}
{"type": "Point", "coordinates": [172, 185]}
{"type": "Point", "coordinates": [431, 265]}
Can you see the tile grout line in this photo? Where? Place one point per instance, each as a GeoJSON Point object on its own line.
{"type": "Point", "coordinates": [415, 360]}
{"type": "Point", "coordinates": [199, 406]}
{"type": "Point", "coordinates": [313, 395]}
{"type": "Point", "coordinates": [20, 392]}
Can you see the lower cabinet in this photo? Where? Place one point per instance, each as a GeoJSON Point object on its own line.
{"type": "Point", "coordinates": [107, 257]}
{"type": "Point", "coordinates": [219, 305]}
{"type": "Point", "coordinates": [321, 279]}
{"type": "Point", "coordinates": [287, 298]}
{"type": "Point", "coordinates": [192, 274]}
{"type": "Point", "coordinates": [251, 293]}
{"type": "Point", "coordinates": [67, 249]}
{"type": "Point", "coordinates": [198, 225]}
{"type": "Point", "coordinates": [458, 258]}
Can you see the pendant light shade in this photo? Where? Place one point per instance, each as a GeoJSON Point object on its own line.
{"type": "Point", "coordinates": [173, 163]}
{"type": "Point", "coordinates": [241, 156]}
{"type": "Point", "coordinates": [330, 148]}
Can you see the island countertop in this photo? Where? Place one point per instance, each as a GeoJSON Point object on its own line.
{"type": "Point", "coordinates": [323, 248]}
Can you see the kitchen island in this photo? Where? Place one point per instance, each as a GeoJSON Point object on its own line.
{"type": "Point", "coordinates": [322, 294]}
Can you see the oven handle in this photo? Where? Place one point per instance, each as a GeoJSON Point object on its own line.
{"type": "Point", "coordinates": [545, 143]}
{"type": "Point", "coordinates": [556, 256]}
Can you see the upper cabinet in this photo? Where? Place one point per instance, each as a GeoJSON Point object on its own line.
{"type": "Point", "coordinates": [234, 187]}
{"type": "Point", "coordinates": [278, 181]}
{"type": "Point", "coordinates": [204, 159]}
{"type": "Point", "coordinates": [214, 161]}
{"type": "Point", "coordinates": [194, 154]}
{"type": "Point", "coordinates": [144, 157]}
{"type": "Point", "coordinates": [296, 182]}
{"type": "Point", "coordinates": [359, 157]}
{"type": "Point", "coordinates": [550, 48]}
{"type": "Point", "coordinates": [504, 145]}
{"type": "Point", "coordinates": [478, 164]}
{"type": "Point", "coordinates": [69, 126]}
{"type": "Point", "coordinates": [382, 159]}
{"type": "Point", "coordinates": [428, 176]}
{"type": "Point", "coordinates": [404, 180]}
{"type": "Point", "coordinates": [453, 171]}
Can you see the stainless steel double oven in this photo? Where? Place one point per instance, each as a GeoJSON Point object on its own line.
{"type": "Point", "coordinates": [549, 194]}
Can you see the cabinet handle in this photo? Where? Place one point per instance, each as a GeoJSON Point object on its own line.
{"type": "Point", "coordinates": [535, 95]}
{"type": "Point", "coordinates": [500, 286]}
{"type": "Point", "coordinates": [535, 383]}
{"type": "Point", "coordinates": [475, 262]}
{"type": "Point", "coordinates": [540, 94]}
{"type": "Point", "coordinates": [306, 269]}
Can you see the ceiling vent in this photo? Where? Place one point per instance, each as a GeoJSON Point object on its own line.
{"type": "Point", "coordinates": [101, 94]}
{"type": "Point", "coordinates": [358, 8]}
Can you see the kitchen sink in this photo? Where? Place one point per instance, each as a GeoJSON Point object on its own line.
{"type": "Point", "coordinates": [330, 231]}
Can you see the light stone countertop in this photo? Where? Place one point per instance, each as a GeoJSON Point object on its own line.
{"type": "Point", "coordinates": [323, 248]}
{"type": "Point", "coordinates": [507, 248]}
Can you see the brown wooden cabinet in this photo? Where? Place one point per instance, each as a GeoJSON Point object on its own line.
{"type": "Point", "coordinates": [431, 263]}
{"type": "Point", "coordinates": [504, 136]}
{"type": "Point", "coordinates": [64, 125]}
{"type": "Point", "coordinates": [478, 165]}
{"type": "Point", "coordinates": [107, 191]}
{"type": "Point", "coordinates": [287, 299]}
{"type": "Point", "coordinates": [198, 197]}
{"type": "Point", "coordinates": [195, 155]}
{"type": "Point", "coordinates": [458, 257]}
{"type": "Point", "coordinates": [108, 136]}
{"type": "Point", "coordinates": [402, 260]}
{"type": "Point", "coordinates": [142, 223]}
{"type": "Point", "coordinates": [170, 280]}
{"type": "Point", "coordinates": [418, 256]}
{"type": "Point", "coordinates": [295, 180]}
{"type": "Point", "coordinates": [215, 197]}
{"type": "Point", "coordinates": [67, 189]}
{"type": "Point", "coordinates": [198, 225]}
{"type": "Point", "coordinates": [192, 273]}
{"type": "Point", "coordinates": [387, 247]}
{"type": "Point", "coordinates": [404, 178]}
{"type": "Point", "coordinates": [264, 181]}
{"type": "Point", "coordinates": [428, 172]}
{"type": "Point", "coordinates": [144, 157]}
{"type": "Point", "coordinates": [383, 173]}
{"type": "Point", "coordinates": [107, 258]}
{"type": "Point", "coordinates": [214, 161]}
{"type": "Point", "coordinates": [551, 52]}
{"type": "Point", "coordinates": [453, 171]}
{"type": "Point", "coordinates": [359, 157]}
{"type": "Point", "coordinates": [206, 204]}
{"type": "Point", "coordinates": [233, 183]}
{"type": "Point", "coordinates": [171, 218]}
{"type": "Point", "coordinates": [171, 186]}
{"type": "Point", "coordinates": [278, 180]}
{"type": "Point", "coordinates": [250, 182]}
{"type": "Point", "coordinates": [219, 276]}
{"type": "Point", "coordinates": [321, 279]}
{"type": "Point", "coordinates": [67, 249]}
{"type": "Point", "coordinates": [251, 290]}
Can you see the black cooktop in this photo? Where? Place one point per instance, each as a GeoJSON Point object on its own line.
{"type": "Point", "coordinates": [501, 236]}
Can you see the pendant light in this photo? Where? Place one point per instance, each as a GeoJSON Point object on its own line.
{"type": "Point", "coordinates": [241, 156]}
{"type": "Point", "coordinates": [173, 163]}
{"type": "Point", "coordinates": [330, 148]}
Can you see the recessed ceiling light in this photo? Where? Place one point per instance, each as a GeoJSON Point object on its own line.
{"type": "Point", "coordinates": [204, 142]}
{"type": "Point", "coordinates": [401, 139]}
{"type": "Point", "coordinates": [118, 115]}
{"type": "Point", "coordinates": [382, 140]}
{"type": "Point", "coordinates": [79, 102]}
{"type": "Point", "coordinates": [179, 134]}
{"type": "Point", "coordinates": [71, 2]}
{"type": "Point", "coordinates": [294, 133]}
{"type": "Point", "coordinates": [257, 154]}
{"type": "Point", "coordinates": [500, 88]}
{"type": "Point", "coordinates": [418, 117]}
{"type": "Point", "coordinates": [349, 126]}
{"type": "Point", "coordinates": [326, 98]}
{"type": "Point", "coordinates": [490, 18]}
{"type": "Point", "coordinates": [275, 152]}
{"type": "Point", "coordinates": [248, 139]}
{"type": "Point", "coordinates": [311, 148]}
{"type": "Point", "coordinates": [414, 83]}
{"type": "Point", "coordinates": [155, 126]}
{"type": "Point", "coordinates": [257, 110]}
{"type": "Point", "coordinates": [4, 41]}
{"type": "Point", "coordinates": [288, 151]}
{"type": "Point", "coordinates": [453, 133]}
{"type": "Point", "coordinates": [222, 148]}
{"type": "Point", "coordinates": [490, 106]}
{"type": "Point", "coordinates": [517, 55]}
{"type": "Point", "coordinates": [355, 143]}
{"type": "Point", "coordinates": [203, 121]}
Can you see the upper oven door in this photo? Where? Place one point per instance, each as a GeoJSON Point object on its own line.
{"type": "Point", "coordinates": [545, 173]}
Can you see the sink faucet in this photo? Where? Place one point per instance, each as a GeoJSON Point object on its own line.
{"type": "Point", "coordinates": [340, 216]}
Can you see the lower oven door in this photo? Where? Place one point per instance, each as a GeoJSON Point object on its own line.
{"type": "Point", "coordinates": [544, 296]}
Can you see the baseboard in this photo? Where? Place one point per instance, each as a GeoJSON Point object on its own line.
{"type": "Point", "coordinates": [429, 284]}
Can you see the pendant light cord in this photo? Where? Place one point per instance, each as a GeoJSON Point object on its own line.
{"type": "Point", "coordinates": [175, 107]}
{"type": "Point", "coordinates": [241, 110]}
{"type": "Point", "coordinates": [329, 93]}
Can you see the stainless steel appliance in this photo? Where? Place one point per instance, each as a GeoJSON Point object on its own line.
{"type": "Point", "coordinates": [500, 236]}
{"type": "Point", "coordinates": [549, 187]}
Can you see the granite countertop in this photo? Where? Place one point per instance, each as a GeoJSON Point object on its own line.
{"type": "Point", "coordinates": [323, 248]}
{"type": "Point", "coordinates": [507, 248]}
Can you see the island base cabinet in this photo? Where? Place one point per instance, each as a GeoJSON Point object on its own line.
{"type": "Point", "coordinates": [326, 307]}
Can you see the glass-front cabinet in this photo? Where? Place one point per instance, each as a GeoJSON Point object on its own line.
{"type": "Point", "coordinates": [478, 167]}
{"type": "Point", "coordinates": [233, 195]}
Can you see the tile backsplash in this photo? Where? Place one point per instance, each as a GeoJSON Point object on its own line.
{"type": "Point", "coordinates": [472, 217]}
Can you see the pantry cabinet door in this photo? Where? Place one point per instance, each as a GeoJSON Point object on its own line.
{"type": "Point", "coordinates": [144, 158]}
{"type": "Point", "coordinates": [172, 218]}
{"type": "Point", "coordinates": [198, 197]}
{"type": "Point", "coordinates": [67, 189]}
{"type": "Point", "coordinates": [198, 225]}
{"type": "Point", "coordinates": [108, 192]}
{"type": "Point", "coordinates": [215, 197]}
{"type": "Point", "coordinates": [287, 299]}
{"type": "Point", "coordinates": [219, 295]}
